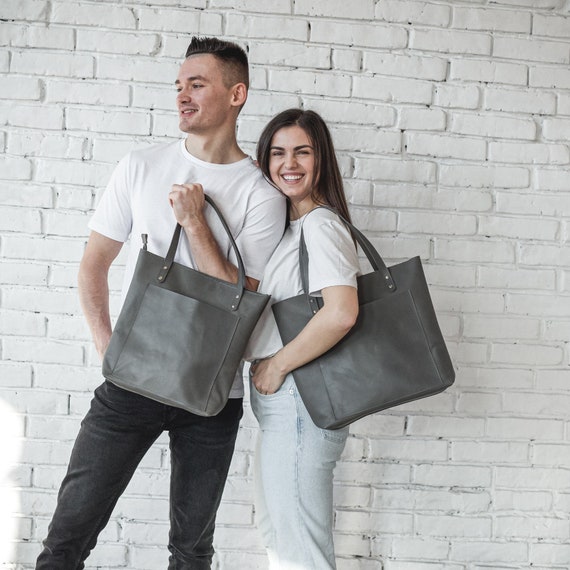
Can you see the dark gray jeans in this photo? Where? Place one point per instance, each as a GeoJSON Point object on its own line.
{"type": "Point", "coordinates": [114, 436]}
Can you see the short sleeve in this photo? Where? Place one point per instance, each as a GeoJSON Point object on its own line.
{"type": "Point", "coordinates": [113, 215]}
{"type": "Point", "coordinates": [333, 258]}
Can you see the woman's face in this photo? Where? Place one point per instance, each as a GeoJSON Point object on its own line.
{"type": "Point", "coordinates": [292, 167]}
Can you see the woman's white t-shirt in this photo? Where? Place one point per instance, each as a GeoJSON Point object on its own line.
{"type": "Point", "coordinates": [333, 260]}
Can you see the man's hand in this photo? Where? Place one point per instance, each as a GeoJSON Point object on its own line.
{"type": "Point", "coordinates": [187, 201]}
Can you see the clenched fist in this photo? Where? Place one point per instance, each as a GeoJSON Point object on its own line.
{"type": "Point", "coordinates": [187, 201]}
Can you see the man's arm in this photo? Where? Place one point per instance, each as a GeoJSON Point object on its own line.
{"type": "Point", "coordinates": [100, 252]}
{"type": "Point", "coordinates": [188, 202]}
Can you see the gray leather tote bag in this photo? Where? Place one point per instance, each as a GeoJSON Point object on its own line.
{"type": "Point", "coordinates": [181, 334]}
{"type": "Point", "coordinates": [395, 353]}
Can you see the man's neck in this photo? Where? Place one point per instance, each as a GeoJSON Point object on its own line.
{"type": "Point", "coordinates": [214, 151]}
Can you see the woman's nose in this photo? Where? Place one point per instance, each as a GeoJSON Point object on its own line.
{"type": "Point", "coordinates": [290, 160]}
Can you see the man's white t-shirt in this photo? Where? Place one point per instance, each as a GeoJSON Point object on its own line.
{"type": "Point", "coordinates": [136, 202]}
{"type": "Point", "coordinates": [333, 260]}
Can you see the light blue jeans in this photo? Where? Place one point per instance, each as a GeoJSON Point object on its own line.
{"type": "Point", "coordinates": [294, 481]}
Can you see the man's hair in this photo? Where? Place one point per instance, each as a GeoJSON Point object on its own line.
{"type": "Point", "coordinates": [231, 56]}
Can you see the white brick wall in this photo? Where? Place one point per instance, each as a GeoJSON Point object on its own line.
{"type": "Point", "coordinates": [451, 119]}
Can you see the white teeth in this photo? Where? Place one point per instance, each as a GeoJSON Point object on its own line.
{"type": "Point", "coordinates": [291, 177]}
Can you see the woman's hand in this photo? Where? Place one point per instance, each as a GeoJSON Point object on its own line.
{"type": "Point", "coordinates": [266, 376]}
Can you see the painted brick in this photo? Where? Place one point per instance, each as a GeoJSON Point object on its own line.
{"type": "Point", "coordinates": [76, 172]}
{"type": "Point", "coordinates": [532, 153]}
{"type": "Point", "coordinates": [22, 88]}
{"type": "Point", "coordinates": [290, 54]}
{"type": "Point", "coordinates": [469, 176]}
{"type": "Point", "coordinates": [410, 12]}
{"type": "Point", "coordinates": [493, 552]}
{"type": "Point", "coordinates": [27, 36]}
{"type": "Point", "coordinates": [52, 64]}
{"type": "Point", "coordinates": [172, 20]}
{"type": "Point", "coordinates": [22, 194]}
{"type": "Point", "coordinates": [46, 144]}
{"type": "Point", "coordinates": [489, 71]}
{"type": "Point", "coordinates": [489, 452]}
{"type": "Point", "coordinates": [457, 96]}
{"type": "Point", "coordinates": [390, 90]}
{"type": "Point", "coordinates": [433, 68]}
{"type": "Point", "coordinates": [488, 125]}
{"type": "Point", "coordinates": [445, 146]}
{"type": "Point", "coordinates": [356, 113]}
{"type": "Point", "coordinates": [50, 117]}
{"type": "Point", "coordinates": [451, 41]}
{"type": "Point", "coordinates": [335, 8]}
{"type": "Point", "coordinates": [335, 85]}
{"type": "Point", "coordinates": [402, 171]}
{"type": "Point", "coordinates": [117, 42]}
{"type": "Point", "coordinates": [346, 60]}
{"type": "Point", "coordinates": [269, 6]}
{"type": "Point", "coordinates": [544, 77]}
{"type": "Point", "coordinates": [506, 279]}
{"type": "Point", "coordinates": [452, 526]}
{"type": "Point", "coordinates": [87, 93]}
{"type": "Point", "coordinates": [15, 168]}
{"type": "Point", "coordinates": [85, 14]}
{"type": "Point", "coordinates": [240, 25]}
{"type": "Point", "coordinates": [493, 226]}
{"type": "Point", "coordinates": [517, 101]}
{"type": "Point", "coordinates": [26, 10]}
{"type": "Point", "coordinates": [365, 35]}
{"type": "Point", "coordinates": [417, 118]}
{"type": "Point", "coordinates": [495, 20]}
{"type": "Point", "coordinates": [530, 50]}
{"type": "Point", "coordinates": [144, 70]}
{"type": "Point", "coordinates": [554, 129]}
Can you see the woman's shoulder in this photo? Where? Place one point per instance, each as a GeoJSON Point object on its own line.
{"type": "Point", "coordinates": [324, 224]}
{"type": "Point", "coordinates": [320, 216]}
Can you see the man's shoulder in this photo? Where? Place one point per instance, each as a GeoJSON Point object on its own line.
{"type": "Point", "coordinates": [154, 151]}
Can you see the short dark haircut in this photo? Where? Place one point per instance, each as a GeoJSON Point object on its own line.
{"type": "Point", "coordinates": [232, 57]}
{"type": "Point", "coordinates": [329, 188]}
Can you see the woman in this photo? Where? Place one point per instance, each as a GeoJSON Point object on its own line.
{"type": "Point", "coordinates": [295, 459]}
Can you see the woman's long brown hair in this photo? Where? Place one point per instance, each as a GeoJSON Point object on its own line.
{"type": "Point", "coordinates": [328, 186]}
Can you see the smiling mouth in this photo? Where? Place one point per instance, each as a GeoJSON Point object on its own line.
{"type": "Point", "coordinates": [292, 177]}
{"type": "Point", "coordinates": [188, 111]}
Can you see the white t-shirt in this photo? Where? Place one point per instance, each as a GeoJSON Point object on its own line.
{"type": "Point", "coordinates": [136, 202]}
{"type": "Point", "coordinates": [333, 260]}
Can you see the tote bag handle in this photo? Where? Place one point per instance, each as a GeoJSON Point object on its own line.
{"type": "Point", "coordinates": [169, 259]}
{"type": "Point", "coordinates": [369, 250]}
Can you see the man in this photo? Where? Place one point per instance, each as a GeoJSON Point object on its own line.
{"type": "Point", "coordinates": [141, 198]}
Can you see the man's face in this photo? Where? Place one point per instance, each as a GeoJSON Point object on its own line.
{"type": "Point", "coordinates": [203, 101]}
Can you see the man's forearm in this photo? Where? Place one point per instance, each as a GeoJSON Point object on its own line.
{"type": "Point", "coordinates": [207, 254]}
{"type": "Point", "coordinates": [94, 298]}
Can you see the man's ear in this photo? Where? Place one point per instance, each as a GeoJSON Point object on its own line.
{"type": "Point", "coordinates": [239, 94]}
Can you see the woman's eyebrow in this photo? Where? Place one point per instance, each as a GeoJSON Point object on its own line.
{"type": "Point", "coordinates": [294, 148]}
